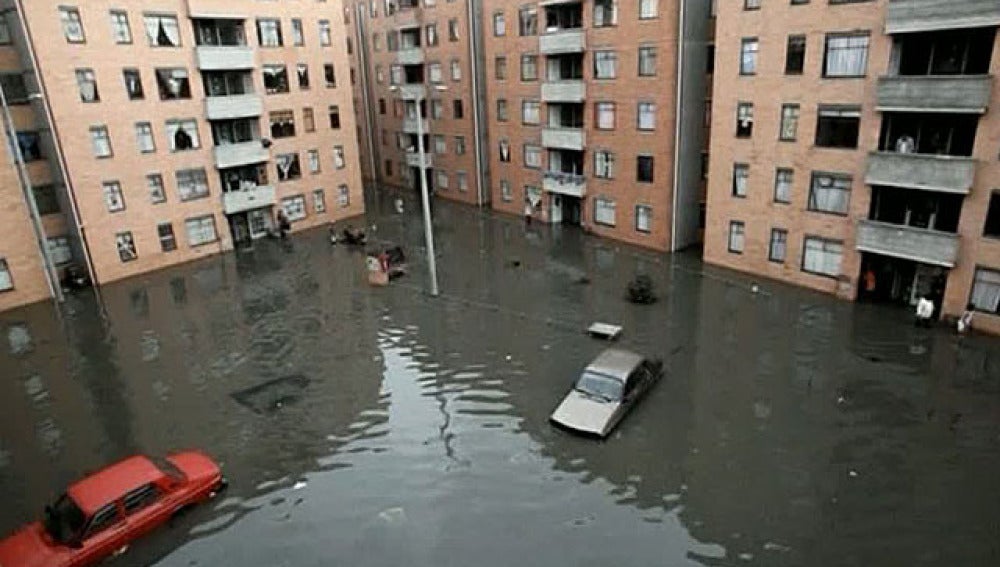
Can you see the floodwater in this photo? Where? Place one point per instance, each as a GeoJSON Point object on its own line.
{"type": "Point", "coordinates": [380, 426]}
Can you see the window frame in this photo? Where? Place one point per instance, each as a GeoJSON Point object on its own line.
{"type": "Point", "coordinates": [825, 241]}
{"type": "Point", "coordinates": [778, 171]}
{"type": "Point", "coordinates": [649, 218]}
{"type": "Point", "coordinates": [741, 170]}
{"type": "Point", "coordinates": [748, 57]}
{"type": "Point", "coordinates": [771, 257]}
{"type": "Point", "coordinates": [733, 233]}
{"type": "Point", "coordinates": [845, 35]}
{"type": "Point", "coordinates": [784, 136]}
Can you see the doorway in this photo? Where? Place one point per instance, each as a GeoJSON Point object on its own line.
{"type": "Point", "coordinates": [240, 227]}
{"type": "Point", "coordinates": [259, 222]}
{"type": "Point", "coordinates": [901, 281]}
{"type": "Point", "coordinates": [564, 209]}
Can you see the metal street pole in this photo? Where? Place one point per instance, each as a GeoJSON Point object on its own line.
{"type": "Point", "coordinates": [29, 196]}
{"type": "Point", "coordinates": [426, 200]}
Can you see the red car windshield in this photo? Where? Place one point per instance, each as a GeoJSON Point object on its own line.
{"type": "Point", "coordinates": [64, 520]}
{"type": "Point", "coordinates": [169, 468]}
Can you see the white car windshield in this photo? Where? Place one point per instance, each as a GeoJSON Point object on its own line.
{"type": "Point", "coordinates": [600, 385]}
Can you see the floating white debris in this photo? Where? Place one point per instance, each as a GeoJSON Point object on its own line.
{"type": "Point", "coordinates": [507, 358]}
{"type": "Point", "coordinates": [299, 485]}
{"type": "Point", "coordinates": [746, 556]}
{"type": "Point", "coordinates": [853, 473]}
{"type": "Point", "coordinates": [393, 515]}
{"type": "Point", "coordinates": [772, 546]}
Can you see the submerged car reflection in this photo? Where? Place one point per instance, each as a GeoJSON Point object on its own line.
{"type": "Point", "coordinates": [606, 391]}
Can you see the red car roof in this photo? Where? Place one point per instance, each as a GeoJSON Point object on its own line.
{"type": "Point", "coordinates": [113, 482]}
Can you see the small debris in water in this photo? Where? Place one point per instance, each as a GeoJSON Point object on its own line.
{"type": "Point", "coordinates": [546, 347]}
{"type": "Point", "coordinates": [754, 288]}
{"type": "Point", "coordinates": [299, 485]}
{"type": "Point", "coordinates": [841, 399]}
{"type": "Point", "coordinates": [746, 556]}
{"type": "Point", "coordinates": [507, 358]}
{"type": "Point", "coordinates": [393, 515]}
{"type": "Point", "coordinates": [772, 546]}
{"type": "Point", "coordinates": [853, 473]}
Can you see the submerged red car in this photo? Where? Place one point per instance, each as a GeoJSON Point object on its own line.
{"type": "Point", "coordinates": [109, 509]}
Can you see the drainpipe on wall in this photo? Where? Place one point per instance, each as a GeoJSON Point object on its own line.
{"type": "Point", "coordinates": [362, 46]}
{"type": "Point", "coordinates": [682, 15]}
{"type": "Point", "coordinates": [475, 50]}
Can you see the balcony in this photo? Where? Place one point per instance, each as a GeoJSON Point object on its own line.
{"type": "Point", "coordinates": [218, 9]}
{"type": "Point", "coordinates": [412, 126]}
{"type": "Point", "coordinates": [908, 243]}
{"type": "Point", "coordinates": [905, 16]}
{"type": "Point", "coordinates": [238, 201]}
{"type": "Point", "coordinates": [413, 160]}
{"type": "Point", "coordinates": [415, 91]}
{"type": "Point", "coordinates": [563, 138]}
{"type": "Point", "coordinates": [563, 91]}
{"type": "Point", "coordinates": [223, 58]}
{"type": "Point", "coordinates": [410, 56]}
{"type": "Point", "coordinates": [948, 174]}
{"type": "Point", "coordinates": [234, 106]}
{"type": "Point", "coordinates": [563, 41]}
{"type": "Point", "coordinates": [930, 93]}
{"type": "Point", "coordinates": [406, 18]}
{"type": "Point", "coordinates": [564, 183]}
{"type": "Point", "coordinates": [234, 155]}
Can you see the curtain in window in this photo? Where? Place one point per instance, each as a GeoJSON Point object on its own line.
{"type": "Point", "coordinates": [604, 164]}
{"type": "Point", "coordinates": [643, 218]}
{"type": "Point", "coordinates": [605, 13]}
{"type": "Point", "coordinates": [605, 116]}
{"type": "Point", "coordinates": [604, 211]}
{"type": "Point", "coordinates": [740, 176]}
{"type": "Point", "coordinates": [778, 245]}
{"type": "Point", "coordinates": [604, 64]}
{"type": "Point", "coordinates": [183, 135]}
{"type": "Point", "coordinates": [822, 257]}
{"type": "Point", "coordinates": [986, 291]}
{"type": "Point", "coordinates": [88, 86]}
{"type": "Point", "coordinates": [504, 151]}
{"type": "Point", "coordinates": [830, 194]}
{"type": "Point", "coordinates": [846, 56]}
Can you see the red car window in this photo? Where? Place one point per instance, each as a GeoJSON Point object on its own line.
{"type": "Point", "coordinates": [103, 518]}
{"type": "Point", "coordinates": [141, 497]}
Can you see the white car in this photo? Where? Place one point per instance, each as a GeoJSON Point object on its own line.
{"type": "Point", "coordinates": [606, 391]}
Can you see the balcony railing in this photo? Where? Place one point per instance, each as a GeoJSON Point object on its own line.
{"type": "Point", "coordinates": [905, 16]}
{"type": "Point", "coordinates": [562, 41]}
{"type": "Point", "coordinates": [948, 174]}
{"type": "Point", "coordinates": [415, 91]}
{"type": "Point", "coordinates": [935, 93]}
{"type": "Point", "coordinates": [413, 159]}
{"type": "Point", "coordinates": [245, 153]}
{"type": "Point", "coordinates": [411, 125]}
{"type": "Point", "coordinates": [410, 56]}
{"type": "Point", "coordinates": [907, 242]}
{"type": "Point", "coordinates": [563, 91]}
{"type": "Point", "coordinates": [564, 183]}
{"type": "Point", "coordinates": [233, 106]}
{"type": "Point", "coordinates": [246, 199]}
{"type": "Point", "coordinates": [563, 138]}
{"type": "Point", "coordinates": [225, 57]}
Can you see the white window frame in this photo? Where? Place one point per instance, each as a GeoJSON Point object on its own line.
{"type": "Point", "coordinates": [6, 277]}
{"type": "Point", "coordinates": [100, 142]}
{"type": "Point", "coordinates": [830, 193]}
{"type": "Point", "coordinates": [737, 237]}
{"type": "Point", "coordinates": [114, 196]}
{"type": "Point", "coordinates": [343, 196]}
{"type": "Point", "coordinates": [783, 184]}
{"type": "Point", "coordinates": [604, 164]}
{"type": "Point", "coordinates": [319, 201]}
{"type": "Point", "coordinates": [604, 211]}
{"type": "Point", "coordinates": [646, 116]}
{"type": "Point", "coordinates": [532, 156]}
{"type": "Point", "coordinates": [828, 262]}
{"type": "Point", "coordinates": [837, 59]}
{"type": "Point", "coordinates": [312, 159]}
{"type": "Point", "coordinates": [167, 24]}
{"type": "Point", "coordinates": [72, 24]}
{"type": "Point", "coordinates": [531, 112]}
{"type": "Point", "coordinates": [189, 126]}
{"type": "Point", "coordinates": [121, 29]}
{"type": "Point", "coordinates": [201, 230]}
{"type": "Point", "coordinates": [145, 137]}
{"type": "Point", "coordinates": [499, 24]}
{"type": "Point", "coordinates": [749, 50]}
{"type": "Point", "coordinates": [644, 218]}
{"type": "Point", "coordinates": [777, 248]}
{"type": "Point", "coordinates": [605, 115]}
{"type": "Point", "coordinates": [192, 183]}
{"type": "Point", "coordinates": [294, 207]}
{"type": "Point", "coordinates": [648, 9]}
{"type": "Point", "coordinates": [984, 295]}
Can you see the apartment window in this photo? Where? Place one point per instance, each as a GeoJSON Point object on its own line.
{"type": "Point", "coordinates": [319, 201]}
{"type": "Point", "coordinates": [329, 75]}
{"type": "Point", "coordinates": [504, 151]}
{"type": "Point", "coordinates": [282, 123]}
{"type": "Point", "coordinates": [532, 156]}
{"type": "Point", "coordinates": [168, 242]}
{"type": "Point", "coordinates": [14, 87]}
{"type": "Point", "coordinates": [830, 193]}
{"type": "Point", "coordinates": [144, 136]}
{"type": "Point", "coordinates": [778, 247]}
{"type": "Point", "coordinates": [395, 74]}
{"type": "Point", "coordinates": [269, 32]}
{"type": "Point", "coordinates": [201, 230]}
{"type": "Point", "coordinates": [499, 24]}
{"type": "Point", "coordinates": [6, 281]}
{"type": "Point", "coordinates": [442, 179]}
{"type": "Point", "coordinates": [744, 120]}
{"type": "Point", "coordinates": [647, 116]}
{"type": "Point", "coordinates": [388, 167]}
{"type": "Point", "coordinates": [173, 84]}
{"type": "Point", "coordinates": [992, 226]}
{"type": "Point", "coordinates": [710, 58]}
{"type": "Point", "coordinates": [376, 41]}
{"type": "Point", "coordinates": [822, 256]}
{"type": "Point", "coordinates": [462, 179]}
{"type": "Point", "coordinates": [648, 9]}
{"type": "Point", "coordinates": [162, 30]}
{"type": "Point", "coordinates": [605, 115]}
{"type": "Point", "coordinates": [46, 199]}
{"type": "Point", "coordinates": [704, 165]}
{"type": "Point", "coordinates": [604, 164]}
{"type": "Point", "coordinates": [459, 145]}
{"type": "Point", "coordinates": [87, 85]}
{"type": "Point", "coordinates": [737, 236]}
{"type": "Point", "coordinates": [604, 211]}
{"type": "Point", "coordinates": [644, 169]}
{"type": "Point", "coordinates": [114, 200]}
{"type": "Point", "coordinates": [643, 218]}
{"type": "Point", "coordinates": [343, 196]}
{"type": "Point", "coordinates": [529, 67]}
{"type": "Point", "coordinates": [795, 55]}
{"type": "Point", "coordinates": [120, 28]}
{"type": "Point", "coordinates": [302, 70]}
{"type": "Point", "coordinates": [456, 70]}
{"type": "Point", "coordinates": [748, 56]}
{"type": "Point", "coordinates": [379, 74]}
{"type": "Point", "coordinates": [434, 72]}
{"type": "Point", "coordinates": [126, 246]}
{"type": "Point", "coordinates": [751, 4]}
{"type": "Point", "coordinates": [335, 117]}
{"type": "Point", "coordinates": [192, 184]}
{"type": "Point", "coordinates": [530, 112]}
{"type": "Point", "coordinates": [783, 185]}
{"type": "Point", "coordinates": [339, 161]}
{"type": "Point", "coordinates": [605, 13]}
{"type": "Point", "coordinates": [605, 64]}
{"type": "Point", "coordinates": [505, 192]}
{"type": "Point", "coordinates": [183, 135]}
{"type": "Point", "coordinates": [527, 20]}
{"type": "Point", "coordinates": [60, 250]}
{"type": "Point", "coordinates": [430, 31]}
{"type": "Point", "coordinates": [985, 290]}
{"type": "Point", "coordinates": [157, 192]}
{"type": "Point", "coordinates": [312, 159]}
{"type": "Point", "coordinates": [72, 25]}
{"type": "Point", "coordinates": [647, 61]}
{"type": "Point", "coordinates": [308, 119]}
{"type": "Point", "coordinates": [133, 84]}
{"type": "Point", "coordinates": [789, 122]}
{"type": "Point", "coordinates": [838, 126]}
{"type": "Point", "coordinates": [707, 118]}
{"type": "Point", "coordinates": [437, 109]}
{"type": "Point", "coordinates": [500, 68]}
{"type": "Point", "coordinates": [846, 55]}
{"type": "Point", "coordinates": [741, 178]}
{"type": "Point", "coordinates": [453, 29]}
{"type": "Point", "coordinates": [440, 145]}
{"type": "Point", "coordinates": [30, 145]}
{"type": "Point", "coordinates": [457, 108]}
{"type": "Point", "coordinates": [100, 141]}
{"type": "Point", "coordinates": [501, 110]}
{"type": "Point", "coordinates": [288, 166]}
{"type": "Point", "coordinates": [325, 38]}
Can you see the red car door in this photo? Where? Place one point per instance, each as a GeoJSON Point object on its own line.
{"type": "Point", "coordinates": [146, 508]}
{"type": "Point", "coordinates": [105, 533]}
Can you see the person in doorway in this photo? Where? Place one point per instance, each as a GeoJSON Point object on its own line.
{"type": "Point", "coordinates": [869, 283]}
{"type": "Point", "coordinates": [528, 211]}
{"type": "Point", "coordinates": [333, 234]}
{"type": "Point", "coordinates": [284, 225]}
{"type": "Point", "coordinates": [965, 321]}
{"type": "Point", "coordinates": [925, 310]}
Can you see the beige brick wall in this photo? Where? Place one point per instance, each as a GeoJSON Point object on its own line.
{"type": "Point", "coordinates": [18, 246]}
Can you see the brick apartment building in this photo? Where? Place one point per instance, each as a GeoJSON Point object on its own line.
{"type": "Point", "coordinates": [181, 127]}
{"type": "Point", "coordinates": [854, 149]}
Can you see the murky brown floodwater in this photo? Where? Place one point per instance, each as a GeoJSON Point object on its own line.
{"type": "Point", "coordinates": [366, 426]}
